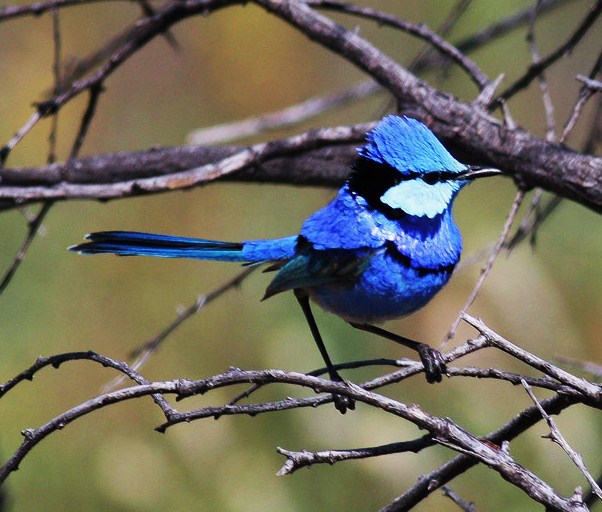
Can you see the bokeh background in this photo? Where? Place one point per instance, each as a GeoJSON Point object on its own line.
{"type": "Point", "coordinates": [236, 63]}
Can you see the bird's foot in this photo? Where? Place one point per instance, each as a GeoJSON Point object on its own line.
{"type": "Point", "coordinates": [343, 403]}
{"type": "Point", "coordinates": [433, 362]}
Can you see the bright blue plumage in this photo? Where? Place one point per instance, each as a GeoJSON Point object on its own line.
{"type": "Point", "coordinates": [383, 247]}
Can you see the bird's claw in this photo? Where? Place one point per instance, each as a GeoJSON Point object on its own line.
{"type": "Point", "coordinates": [433, 362]}
{"type": "Point", "coordinates": [343, 403]}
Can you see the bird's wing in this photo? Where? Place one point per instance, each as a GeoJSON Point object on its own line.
{"type": "Point", "coordinates": [319, 267]}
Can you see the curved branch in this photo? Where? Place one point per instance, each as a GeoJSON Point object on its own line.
{"type": "Point", "coordinates": [443, 430]}
{"type": "Point", "coordinates": [427, 484]}
{"type": "Point", "coordinates": [421, 30]}
{"type": "Point", "coordinates": [121, 175]}
{"type": "Point", "coordinates": [467, 127]}
{"type": "Point", "coordinates": [314, 158]}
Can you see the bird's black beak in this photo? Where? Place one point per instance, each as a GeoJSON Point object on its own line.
{"type": "Point", "coordinates": [474, 171]}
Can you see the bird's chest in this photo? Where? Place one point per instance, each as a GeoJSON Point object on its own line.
{"type": "Point", "coordinates": [387, 288]}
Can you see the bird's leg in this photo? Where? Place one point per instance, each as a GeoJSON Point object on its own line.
{"type": "Point", "coordinates": [342, 403]}
{"type": "Point", "coordinates": [432, 360]}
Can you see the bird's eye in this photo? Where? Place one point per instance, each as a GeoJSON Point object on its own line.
{"type": "Point", "coordinates": [431, 177]}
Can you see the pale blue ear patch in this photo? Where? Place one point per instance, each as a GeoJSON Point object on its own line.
{"type": "Point", "coordinates": [418, 198]}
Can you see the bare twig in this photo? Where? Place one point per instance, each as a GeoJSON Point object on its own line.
{"type": "Point", "coordinates": [300, 459]}
{"type": "Point", "coordinates": [593, 85]}
{"type": "Point", "coordinates": [533, 219]}
{"type": "Point", "coordinates": [422, 31]}
{"type": "Point", "coordinates": [543, 83]}
{"type": "Point", "coordinates": [434, 480]}
{"type": "Point", "coordinates": [537, 215]}
{"type": "Point", "coordinates": [558, 438]}
{"type": "Point", "coordinates": [588, 390]}
{"type": "Point", "coordinates": [443, 430]}
{"type": "Point", "coordinates": [57, 360]}
{"type": "Point", "coordinates": [537, 68]}
{"type": "Point", "coordinates": [488, 265]}
{"type": "Point", "coordinates": [502, 27]}
{"type": "Point", "coordinates": [32, 229]}
{"type": "Point", "coordinates": [585, 93]}
{"type": "Point", "coordinates": [37, 8]}
{"type": "Point", "coordinates": [462, 504]}
{"type": "Point", "coordinates": [86, 121]}
{"type": "Point", "coordinates": [56, 70]}
{"type": "Point", "coordinates": [284, 118]}
{"type": "Point", "coordinates": [145, 351]}
{"type": "Point", "coordinates": [453, 17]}
{"type": "Point", "coordinates": [113, 55]}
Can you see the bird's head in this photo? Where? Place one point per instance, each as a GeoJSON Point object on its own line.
{"type": "Point", "coordinates": [404, 168]}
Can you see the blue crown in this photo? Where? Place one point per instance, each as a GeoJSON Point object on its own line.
{"type": "Point", "coordinates": [409, 146]}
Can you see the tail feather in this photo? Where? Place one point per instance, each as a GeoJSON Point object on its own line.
{"type": "Point", "coordinates": [128, 243]}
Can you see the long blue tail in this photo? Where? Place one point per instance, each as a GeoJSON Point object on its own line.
{"type": "Point", "coordinates": [129, 243]}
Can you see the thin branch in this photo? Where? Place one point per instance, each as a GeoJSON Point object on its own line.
{"type": "Point", "coordinates": [588, 89]}
{"type": "Point", "coordinates": [145, 351]}
{"type": "Point", "coordinates": [86, 121]}
{"type": "Point", "coordinates": [532, 220]}
{"type": "Point", "coordinates": [541, 77]}
{"type": "Point", "coordinates": [486, 269]}
{"type": "Point", "coordinates": [32, 229]}
{"type": "Point", "coordinates": [57, 360]}
{"type": "Point", "coordinates": [535, 217]}
{"type": "Point", "coordinates": [544, 382]}
{"type": "Point", "coordinates": [38, 8]}
{"type": "Point", "coordinates": [56, 70]}
{"type": "Point", "coordinates": [280, 119]}
{"type": "Point", "coordinates": [462, 504]}
{"type": "Point", "coordinates": [588, 390]}
{"type": "Point", "coordinates": [558, 438]}
{"type": "Point", "coordinates": [504, 26]}
{"type": "Point", "coordinates": [593, 85]}
{"type": "Point", "coordinates": [537, 68]}
{"type": "Point", "coordinates": [301, 459]}
{"type": "Point", "coordinates": [443, 430]}
{"type": "Point", "coordinates": [118, 51]}
{"type": "Point", "coordinates": [21, 133]}
{"type": "Point", "coordinates": [422, 31]}
{"type": "Point", "coordinates": [434, 480]}
{"type": "Point", "coordinates": [590, 497]}
{"type": "Point", "coordinates": [455, 14]}
{"type": "Point", "coordinates": [33, 224]}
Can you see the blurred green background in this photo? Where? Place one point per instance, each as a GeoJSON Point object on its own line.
{"type": "Point", "coordinates": [236, 63]}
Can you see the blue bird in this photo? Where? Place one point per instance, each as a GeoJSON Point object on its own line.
{"type": "Point", "coordinates": [381, 249]}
